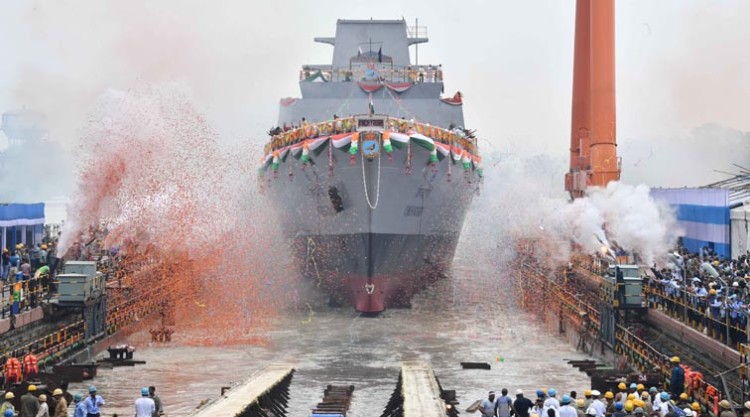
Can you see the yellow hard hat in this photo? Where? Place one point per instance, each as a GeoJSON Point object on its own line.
{"type": "Point", "coordinates": [725, 404]}
{"type": "Point", "coordinates": [57, 392]}
{"type": "Point", "coordinates": [629, 406]}
{"type": "Point", "coordinates": [622, 386]}
{"type": "Point", "coordinates": [639, 403]}
{"type": "Point", "coordinates": [580, 402]}
{"type": "Point", "coordinates": [716, 263]}
{"type": "Point", "coordinates": [31, 388]}
{"type": "Point", "coordinates": [640, 387]}
{"type": "Point", "coordinates": [42, 398]}
{"type": "Point", "coordinates": [608, 395]}
{"type": "Point", "coordinates": [695, 406]}
{"type": "Point", "coordinates": [587, 393]}
{"type": "Point", "coordinates": [5, 250]}
{"type": "Point", "coordinates": [631, 397]}
{"type": "Point", "coordinates": [644, 394]}
{"type": "Point", "coordinates": [683, 396]}
{"type": "Point", "coordinates": [712, 292]}
{"type": "Point", "coordinates": [44, 247]}
{"type": "Point", "coordinates": [675, 359]}
{"type": "Point", "coordinates": [9, 395]}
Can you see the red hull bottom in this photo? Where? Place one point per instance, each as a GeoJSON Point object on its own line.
{"type": "Point", "coordinates": [375, 294]}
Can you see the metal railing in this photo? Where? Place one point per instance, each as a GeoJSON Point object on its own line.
{"type": "Point", "coordinates": [348, 124]}
{"type": "Point", "coordinates": [696, 312]}
{"type": "Point", "coordinates": [563, 296]}
{"type": "Point", "coordinates": [378, 72]}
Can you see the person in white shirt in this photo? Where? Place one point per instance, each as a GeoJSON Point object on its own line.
{"type": "Point", "coordinates": [597, 404]}
{"type": "Point", "coordinates": [567, 410]}
{"type": "Point", "coordinates": [144, 406]}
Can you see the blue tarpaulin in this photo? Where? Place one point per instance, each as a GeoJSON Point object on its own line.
{"type": "Point", "coordinates": [21, 214]}
{"type": "Point", "coordinates": [703, 215]}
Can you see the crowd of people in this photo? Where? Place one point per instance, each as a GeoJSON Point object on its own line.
{"type": "Point", "coordinates": [25, 274]}
{"type": "Point", "coordinates": [632, 400]}
{"type": "Point", "coordinates": [710, 292]}
{"type": "Point", "coordinates": [24, 261]}
{"type": "Point", "coordinates": [35, 404]}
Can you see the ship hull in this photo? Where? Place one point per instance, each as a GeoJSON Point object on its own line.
{"type": "Point", "coordinates": [372, 232]}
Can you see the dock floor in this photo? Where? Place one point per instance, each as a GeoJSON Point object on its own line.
{"type": "Point", "coordinates": [238, 398]}
{"type": "Point", "coordinates": [421, 391]}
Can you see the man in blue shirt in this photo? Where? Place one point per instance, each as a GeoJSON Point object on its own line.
{"type": "Point", "coordinates": [678, 377]}
{"type": "Point", "coordinates": [487, 407]}
{"type": "Point", "coordinates": [504, 404]}
{"type": "Point", "coordinates": [80, 406]}
{"type": "Point", "coordinates": [93, 402]}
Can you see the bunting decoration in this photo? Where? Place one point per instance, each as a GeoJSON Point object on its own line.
{"type": "Point", "coordinates": [288, 102]}
{"type": "Point", "coordinates": [387, 142]}
{"type": "Point", "coordinates": [275, 163]}
{"type": "Point", "coordinates": [373, 86]}
{"type": "Point", "coordinates": [305, 153]}
{"type": "Point", "coordinates": [354, 148]}
{"type": "Point", "coordinates": [307, 142]}
{"type": "Point", "coordinates": [399, 87]}
{"type": "Point", "coordinates": [370, 87]}
{"type": "Point", "coordinates": [433, 156]}
{"type": "Point", "coordinates": [456, 100]}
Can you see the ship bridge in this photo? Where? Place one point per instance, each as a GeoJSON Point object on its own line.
{"type": "Point", "coordinates": [372, 63]}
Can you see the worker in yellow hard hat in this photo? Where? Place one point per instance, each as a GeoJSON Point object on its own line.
{"type": "Point", "coordinates": [640, 387]}
{"type": "Point", "coordinates": [629, 407]}
{"type": "Point", "coordinates": [682, 401]}
{"type": "Point", "coordinates": [8, 403]}
{"type": "Point", "coordinates": [609, 401]}
{"type": "Point", "coordinates": [588, 400]}
{"type": "Point", "coordinates": [61, 405]}
{"type": "Point", "coordinates": [622, 387]}
{"type": "Point", "coordinates": [726, 409]}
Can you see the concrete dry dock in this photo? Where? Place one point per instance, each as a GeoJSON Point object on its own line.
{"type": "Point", "coordinates": [267, 389]}
{"type": "Point", "coordinates": [421, 392]}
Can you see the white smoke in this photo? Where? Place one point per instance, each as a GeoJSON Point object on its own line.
{"type": "Point", "coordinates": [524, 198]}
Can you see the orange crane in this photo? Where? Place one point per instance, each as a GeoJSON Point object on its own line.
{"type": "Point", "coordinates": [593, 141]}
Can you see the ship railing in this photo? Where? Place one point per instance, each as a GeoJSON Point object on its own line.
{"type": "Point", "coordinates": [453, 138]}
{"type": "Point", "coordinates": [388, 73]}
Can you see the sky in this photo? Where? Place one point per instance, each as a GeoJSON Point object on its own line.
{"type": "Point", "coordinates": [683, 74]}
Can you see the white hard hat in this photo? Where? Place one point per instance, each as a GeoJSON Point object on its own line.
{"type": "Point", "coordinates": [519, 392]}
{"type": "Point", "coordinates": [688, 412]}
{"type": "Point", "coordinates": [596, 393]}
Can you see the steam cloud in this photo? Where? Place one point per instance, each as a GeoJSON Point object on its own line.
{"type": "Point", "coordinates": [527, 203]}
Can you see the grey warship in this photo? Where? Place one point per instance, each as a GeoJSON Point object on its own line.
{"type": "Point", "coordinates": [371, 171]}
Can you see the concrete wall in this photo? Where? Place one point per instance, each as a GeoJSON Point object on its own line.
{"type": "Point", "coordinates": [22, 319]}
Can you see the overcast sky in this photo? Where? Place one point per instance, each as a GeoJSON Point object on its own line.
{"type": "Point", "coordinates": [680, 64]}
